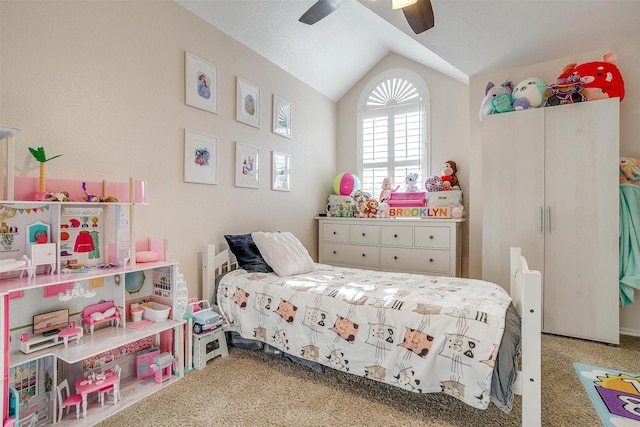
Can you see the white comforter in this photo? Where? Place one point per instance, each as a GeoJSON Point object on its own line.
{"type": "Point", "coordinates": [421, 333]}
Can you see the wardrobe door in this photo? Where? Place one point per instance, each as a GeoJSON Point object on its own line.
{"type": "Point", "coordinates": [512, 191]}
{"type": "Point", "coordinates": [581, 241]}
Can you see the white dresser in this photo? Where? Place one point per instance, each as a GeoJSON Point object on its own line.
{"type": "Point", "coordinates": [427, 246]}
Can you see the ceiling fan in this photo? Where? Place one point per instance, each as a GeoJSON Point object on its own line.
{"type": "Point", "coordinates": [419, 13]}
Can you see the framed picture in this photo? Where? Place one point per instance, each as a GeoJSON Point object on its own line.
{"type": "Point", "coordinates": [247, 165]}
{"type": "Point", "coordinates": [200, 157]}
{"type": "Point", "coordinates": [281, 117]}
{"type": "Point", "coordinates": [247, 103]}
{"type": "Point", "coordinates": [280, 171]}
{"type": "Point", "coordinates": [201, 83]}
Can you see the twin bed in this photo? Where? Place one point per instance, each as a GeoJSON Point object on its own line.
{"type": "Point", "coordinates": [467, 338]}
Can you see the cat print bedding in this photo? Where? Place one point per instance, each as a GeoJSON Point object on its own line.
{"type": "Point", "coordinates": [421, 333]}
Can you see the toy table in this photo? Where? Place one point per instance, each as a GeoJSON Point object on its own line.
{"type": "Point", "coordinates": [65, 334]}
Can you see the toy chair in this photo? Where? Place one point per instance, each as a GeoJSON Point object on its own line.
{"type": "Point", "coordinates": [69, 400]}
{"type": "Point", "coordinates": [103, 391]}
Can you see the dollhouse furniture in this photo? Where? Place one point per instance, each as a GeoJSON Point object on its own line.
{"type": "Point", "coordinates": [208, 345]}
{"type": "Point", "coordinates": [89, 384]}
{"type": "Point", "coordinates": [67, 400]}
{"type": "Point", "coordinates": [161, 366]}
{"type": "Point", "coordinates": [143, 362]}
{"type": "Point", "coordinates": [71, 331]}
{"type": "Point", "coordinates": [104, 312]}
{"type": "Point", "coordinates": [111, 388]}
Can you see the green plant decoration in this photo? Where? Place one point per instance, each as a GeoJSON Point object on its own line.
{"type": "Point", "coordinates": [40, 156]}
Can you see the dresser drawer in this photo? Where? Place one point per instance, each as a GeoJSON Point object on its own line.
{"type": "Point", "coordinates": [364, 256]}
{"type": "Point", "coordinates": [335, 233]}
{"type": "Point", "coordinates": [432, 237]}
{"type": "Point", "coordinates": [396, 235]}
{"type": "Point", "coordinates": [364, 234]}
{"type": "Point", "coordinates": [414, 259]}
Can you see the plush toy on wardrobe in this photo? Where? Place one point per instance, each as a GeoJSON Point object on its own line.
{"type": "Point", "coordinates": [600, 79]}
{"type": "Point", "coordinates": [449, 178]}
{"type": "Point", "coordinates": [497, 99]}
{"type": "Point", "coordinates": [387, 189]}
{"type": "Point", "coordinates": [567, 89]}
{"type": "Point", "coordinates": [529, 93]}
{"type": "Point", "coordinates": [411, 181]}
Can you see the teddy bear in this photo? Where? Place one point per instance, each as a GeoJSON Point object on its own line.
{"type": "Point", "coordinates": [497, 99]}
{"type": "Point", "coordinates": [629, 171]}
{"type": "Point", "coordinates": [600, 79]}
{"type": "Point", "coordinates": [385, 193]}
{"type": "Point", "coordinates": [449, 178]}
{"type": "Point", "coordinates": [411, 180]}
{"type": "Point", "coordinates": [529, 93]}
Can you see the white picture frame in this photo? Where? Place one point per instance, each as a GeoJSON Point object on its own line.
{"type": "Point", "coordinates": [247, 103]}
{"type": "Point", "coordinates": [247, 168]}
{"type": "Point", "coordinates": [201, 83]}
{"type": "Point", "coordinates": [282, 116]}
{"type": "Point", "coordinates": [200, 157]}
{"type": "Point", "coordinates": [280, 171]}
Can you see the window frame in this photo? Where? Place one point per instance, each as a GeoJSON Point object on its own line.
{"type": "Point", "coordinates": [423, 102]}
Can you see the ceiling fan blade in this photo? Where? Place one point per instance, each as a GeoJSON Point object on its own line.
{"type": "Point", "coordinates": [419, 16]}
{"type": "Point", "coordinates": [319, 10]}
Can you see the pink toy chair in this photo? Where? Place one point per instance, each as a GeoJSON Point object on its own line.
{"type": "Point", "coordinates": [69, 400]}
{"type": "Point", "coordinates": [103, 391]}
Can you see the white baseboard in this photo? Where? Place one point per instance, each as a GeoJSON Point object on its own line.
{"type": "Point", "coordinates": [631, 332]}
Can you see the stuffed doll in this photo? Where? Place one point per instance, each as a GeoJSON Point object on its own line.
{"type": "Point", "coordinates": [567, 89]}
{"type": "Point", "coordinates": [529, 93]}
{"type": "Point", "coordinates": [629, 171]}
{"type": "Point", "coordinates": [385, 193]}
{"type": "Point", "coordinates": [411, 181]}
{"type": "Point", "coordinates": [449, 178]}
{"type": "Point", "coordinates": [600, 79]}
{"type": "Point", "coordinates": [360, 199]}
{"type": "Point", "coordinates": [497, 99]}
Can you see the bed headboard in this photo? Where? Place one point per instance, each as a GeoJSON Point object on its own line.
{"type": "Point", "coordinates": [213, 266]}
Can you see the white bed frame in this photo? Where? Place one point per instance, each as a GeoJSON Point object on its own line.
{"type": "Point", "coordinates": [525, 290]}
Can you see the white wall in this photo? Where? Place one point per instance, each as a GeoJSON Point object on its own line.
{"type": "Point", "coordinates": [628, 63]}
{"type": "Point", "coordinates": [103, 83]}
{"type": "Point", "coordinates": [449, 124]}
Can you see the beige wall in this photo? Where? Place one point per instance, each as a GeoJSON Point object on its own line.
{"type": "Point", "coordinates": [449, 123]}
{"type": "Point", "coordinates": [628, 63]}
{"type": "Point", "coordinates": [103, 83]}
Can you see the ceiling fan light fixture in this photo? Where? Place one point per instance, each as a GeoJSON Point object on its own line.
{"type": "Point", "coordinates": [399, 4]}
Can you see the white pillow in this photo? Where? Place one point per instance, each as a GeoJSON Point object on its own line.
{"type": "Point", "coordinates": [283, 252]}
{"type": "Point", "coordinates": [110, 312]}
{"type": "Point", "coordinates": [97, 316]}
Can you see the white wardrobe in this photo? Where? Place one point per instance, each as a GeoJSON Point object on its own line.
{"type": "Point", "coordinates": [550, 186]}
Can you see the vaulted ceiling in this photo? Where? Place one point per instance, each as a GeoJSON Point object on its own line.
{"type": "Point", "coordinates": [469, 37]}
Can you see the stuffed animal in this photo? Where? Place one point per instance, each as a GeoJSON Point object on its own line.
{"type": "Point", "coordinates": [411, 181]}
{"type": "Point", "coordinates": [529, 93]}
{"type": "Point", "coordinates": [567, 89]}
{"type": "Point", "coordinates": [360, 198]}
{"type": "Point", "coordinates": [371, 211]}
{"type": "Point", "coordinates": [600, 79]}
{"type": "Point", "coordinates": [497, 99]}
{"type": "Point", "coordinates": [449, 178]}
{"type": "Point", "coordinates": [433, 183]}
{"type": "Point", "coordinates": [629, 171]}
{"type": "Point", "coordinates": [385, 193]}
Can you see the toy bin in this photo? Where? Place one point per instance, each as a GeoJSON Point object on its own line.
{"type": "Point", "coordinates": [155, 311]}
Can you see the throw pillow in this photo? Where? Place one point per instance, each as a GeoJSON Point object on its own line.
{"type": "Point", "coordinates": [284, 253]}
{"type": "Point", "coordinates": [247, 253]}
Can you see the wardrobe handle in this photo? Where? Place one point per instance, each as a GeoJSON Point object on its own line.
{"type": "Point", "coordinates": [549, 220]}
{"type": "Point", "coordinates": [542, 219]}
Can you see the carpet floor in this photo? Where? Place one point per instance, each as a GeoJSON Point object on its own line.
{"type": "Point", "coordinates": [252, 389]}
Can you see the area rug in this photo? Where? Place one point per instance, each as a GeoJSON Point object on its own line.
{"type": "Point", "coordinates": [615, 394]}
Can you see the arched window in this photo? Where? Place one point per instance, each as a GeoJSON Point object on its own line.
{"type": "Point", "coordinates": [393, 130]}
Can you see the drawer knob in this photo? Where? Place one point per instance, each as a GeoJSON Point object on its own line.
{"type": "Point", "coordinates": [431, 237]}
{"type": "Point", "coordinates": [362, 234]}
{"type": "Point", "coordinates": [395, 257]}
{"type": "Point", "coordinates": [362, 255]}
{"type": "Point", "coordinates": [395, 235]}
{"type": "Point", "coordinates": [430, 259]}
{"type": "Point", "coordinates": [334, 252]}
{"type": "Point", "coordinates": [334, 233]}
